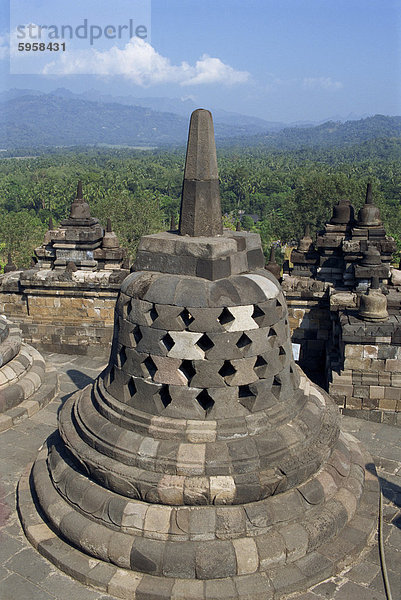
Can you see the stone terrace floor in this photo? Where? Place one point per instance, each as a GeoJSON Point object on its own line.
{"type": "Point", "coordinates": [25, 575]}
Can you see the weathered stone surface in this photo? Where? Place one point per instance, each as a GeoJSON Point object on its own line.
{"type": "Point", "coordinates": [202, 444]}
{"type": "Point", "coordinates": [23, 389]}
{"type": "Point", "coordinates": [200, 203]}
{"type": "Point", "coordinates": [215, 560]}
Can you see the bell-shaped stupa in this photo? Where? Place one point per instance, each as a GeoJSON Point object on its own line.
{"type": "Point", "coordinates": [369, 214]}
{"type": "Point", "coordinates": [202, 463]}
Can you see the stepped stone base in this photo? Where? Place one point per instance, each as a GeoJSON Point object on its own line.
{"type": "Point", "coordinates": [45, 394]}
{"type": "Point", "coordinates": [26, 385]}
{"type": "Point", "coordinates": [299, 538]}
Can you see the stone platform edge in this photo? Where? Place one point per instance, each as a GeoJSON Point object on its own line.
{"type": "Point", "coordinates": [355, 540]}
{"type": "Point", "coordinates": [41, 398]}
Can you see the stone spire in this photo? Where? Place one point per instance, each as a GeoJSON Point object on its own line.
{"type": "Point", "coordinates": [173, 225]}
{"type": "Point", "coordinates": [200, 202]}
{"type": "Point", "coordinates": [50, 223]}
{"type": "Point", "coordinates": [369, 195]}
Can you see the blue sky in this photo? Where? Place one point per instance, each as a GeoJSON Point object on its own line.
{"type": "Point", "coordinates": [281, 60]}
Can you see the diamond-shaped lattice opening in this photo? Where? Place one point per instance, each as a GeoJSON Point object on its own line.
{"type": "Point", "coordinates": [272, 333]}
{"type": "Point", "coordinates": [187, 369]}
{"type": "Point", "coordinates": [227, 369]}
{"type": "Point", "coordinates": [168, 341]}
{"type": "Point", "coordinates": [153, 314]}
{"type": "Point", "coordinates": [131, 387]}
{"type": "Point", "coordinates": [112, 376]}
{"type": "Point", "coordinates": [165, 396]}
{"type": "Point", "coordinates": [186, 317]}
{"type": "Point", "coordinates": [260, 365]}
{"type": "Point", "coordinates": [205, 343]}
{"type": "Point", "coordinates": [260, 362]}
{"type": "Point", "coordinates": [276, 387]}
{"type": "Point", "coordinates": [137, 335]}
{"type": "Point", "coordinates": [257, 314]}
{"type": "Point", "coordinates": [281, 351]}
{"type": "Point", "coordinates": [225, 317]}
{"type": "Point", "coordinates": [150, 366]}
{"type": "Point", "coordinates": [122, 357]}
{"type": "Point", "coordinates": [291, 370]}
{"type": "Point", "coordinates": [278, 303]}
{"type": "Point", "coordinates": [205, 400]}
{"type": "Point", "coordinates": [243, 341]}
{"type": "Point", "coordinates": [246, 397]}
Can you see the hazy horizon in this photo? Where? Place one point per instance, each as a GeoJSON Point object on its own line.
{"type": "Point", "coordinates": [287, 61]}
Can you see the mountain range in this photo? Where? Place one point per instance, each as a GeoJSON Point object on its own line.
{"type": "Point", "coordinates": [62, 118]}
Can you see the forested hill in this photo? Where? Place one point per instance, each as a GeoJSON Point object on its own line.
{"type": "Point", "coordinates": [48, 120]}
{"type": "Point", "coordinates": [325, 135]}
{"type": "Point", "coordinates": [51, 120]}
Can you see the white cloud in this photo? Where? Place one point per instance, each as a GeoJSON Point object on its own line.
{"type": "Point", "coordinates": [323, 83]}
{"type": "Point", "coordinates": [213, 70]}
{"type": "Point", "coordinates": [139, 62]}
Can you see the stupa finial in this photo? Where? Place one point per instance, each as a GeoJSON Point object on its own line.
{"type": "Point", "coordinates": [50, 223]}
{"type": "Point", "coordinates": [79, 191]}
{"type": "Point", "coordinates": [375, 283]}
{"type": "Point", "coordinates": [109, 228]}
{"type": "Point", "coordinates": [200, 213]}
{"type": "Point", "coordinates": [369, 195]}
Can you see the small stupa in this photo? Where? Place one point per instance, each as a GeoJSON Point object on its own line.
{"type": "Point", "coordinates": [9, 267]}
{"type": "Point", "coordinates": [369, 214]}
{"type": "Point", "coordinates": [304, 257]}
{"type": "Point", "coordinates": [373, 304]}
{"type": "Point", "coordinates": [272, 264]}
{"type": "Point", "coordinates": [80, 239]}
{"type": "Point", "coordinates": [202, 463]}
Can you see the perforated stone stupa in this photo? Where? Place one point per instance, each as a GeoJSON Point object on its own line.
{"type": "Point", "coordinates": [202, 463]}
{"type": "Point", "coordinates": [26, 385]}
